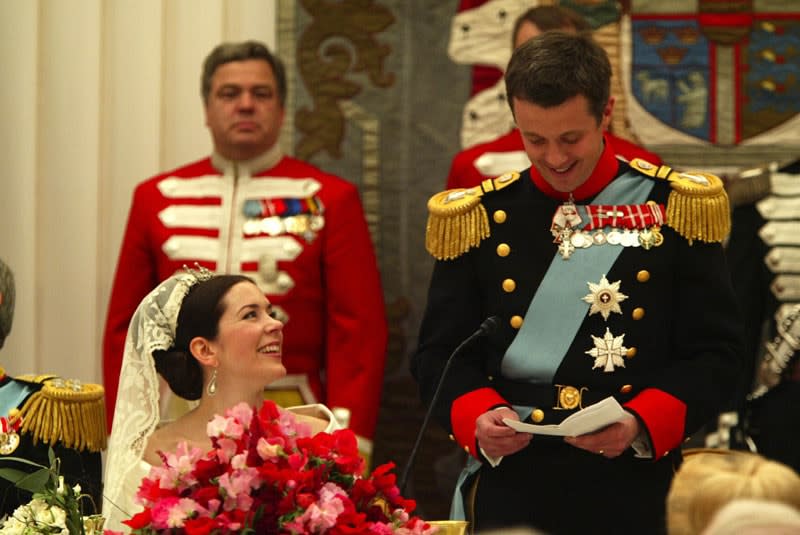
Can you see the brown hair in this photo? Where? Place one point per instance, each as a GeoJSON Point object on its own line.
{"type": "Point", "coordinates": [245, 50]}
{"type": "Point", "coordinates": [556, 66]}
{"type": "Point", "coordinates": [548, 18]}
{"type": "Point", "coordinates": [199, 315]}
{"type": "Point", "coordinates": [7, 297]}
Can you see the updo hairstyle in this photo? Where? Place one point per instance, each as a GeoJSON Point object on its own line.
{"type": "Point", "coordinates": [199, 316]}
{"type": "Point", "coordinates": [710, 478]}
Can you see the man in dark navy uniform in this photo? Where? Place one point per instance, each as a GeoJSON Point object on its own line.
{"type": "Point", "coordinates": [42, 412]}
{"type": "Point", "coordinates": [608, 280]}
{"type": "Point", "coordinates": [762, 253]}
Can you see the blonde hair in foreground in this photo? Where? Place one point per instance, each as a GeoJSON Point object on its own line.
{"type": "Point", "coordinates": [709, 479]}
{"type": "Point", "coordinates": [755, 517]}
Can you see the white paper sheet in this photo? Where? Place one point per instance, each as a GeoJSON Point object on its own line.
{"type": "Point", "coordinates": [586, 420]}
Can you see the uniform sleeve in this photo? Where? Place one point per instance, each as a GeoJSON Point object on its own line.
{"type": "Point", "coordinates": [135, 276]}
{"type": "Point", "coordinates": [355, 329]}
{"type": "Point", "coordinates": [707, 354]}
{"type": "Point", "coordinates": [453, 313]}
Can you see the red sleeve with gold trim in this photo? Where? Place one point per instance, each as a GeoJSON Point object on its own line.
{"type": "Point", "coordinates": [466, 409]}
{"type": "Point", "coordinates": [664, 416]}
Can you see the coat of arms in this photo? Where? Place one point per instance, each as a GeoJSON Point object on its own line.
{"type": "Point", "coordinates": [713, 82]}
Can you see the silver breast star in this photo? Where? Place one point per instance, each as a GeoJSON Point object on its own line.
{"type": "Point", "coordinates": [604, 298]}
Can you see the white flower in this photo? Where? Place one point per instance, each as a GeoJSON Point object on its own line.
{"type": "Point", "coordinates": [27, 518]}
{"type": "Point", "coordinates": [37, 517]}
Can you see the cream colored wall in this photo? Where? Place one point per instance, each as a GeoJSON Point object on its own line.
{"type": "Point", "coordinates": [95, 97]}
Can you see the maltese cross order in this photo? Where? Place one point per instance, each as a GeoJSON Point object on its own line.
{"type": "Point", "coordinates": [608, 351]}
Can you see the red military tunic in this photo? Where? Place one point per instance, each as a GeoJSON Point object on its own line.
{"type": "Point", "coordinates": [507, 153]}
{"type": "Point", "coordinates": [299, 232]}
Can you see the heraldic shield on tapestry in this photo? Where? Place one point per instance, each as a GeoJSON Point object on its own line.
{"type": "Point", "coordinates": [713, 82]}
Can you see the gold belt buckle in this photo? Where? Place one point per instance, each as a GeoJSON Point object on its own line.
{"type": "Point", "coordinates": [569, 397]}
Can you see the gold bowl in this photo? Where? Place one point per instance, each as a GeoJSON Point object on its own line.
{"type": "Point", "coordinates": [450, 527]}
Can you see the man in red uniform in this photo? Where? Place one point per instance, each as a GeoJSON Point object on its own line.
{"type": "Point", "coordinates": [299, 232]}
{"type": "Point", "coordinates": [506, 153]}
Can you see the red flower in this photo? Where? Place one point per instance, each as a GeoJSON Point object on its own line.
{"type": "Point", "coordinates": [139, 520]}
{"type": "Point", "coordinates": [199, 526]}
{"type": "Point", "coordinates": [265, 474]}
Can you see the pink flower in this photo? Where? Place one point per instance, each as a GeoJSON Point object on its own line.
{"type": "Point", "coordinates": [242, 413]}
{"type": "Point", "coordinates": [178, 469]}
{"type": "Point", "coordinates": [237, 485]}
{"type": "Point", "coordinates": [172, 512]}
{"type": "Point", "coordinates": [267, 474]}
{"type": "Point", "coordinates": [266, 450]}
{"type": "Point", "coordinates": [323, 514]}
{"type": "Point", "coordinates": [381, 529]}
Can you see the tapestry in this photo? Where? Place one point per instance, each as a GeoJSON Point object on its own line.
{"type": "Point", "coordinates": [374, 98]}
{"type": "Point", "coordinates": [710, 84]}
{"type": "Point", "coordinates": [714, 82]}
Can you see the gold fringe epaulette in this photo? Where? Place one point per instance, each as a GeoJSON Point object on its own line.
{"type": "Point", "coordinates": [698, 207]}
{"type": "Point", "coordinates": [457, 220]}
{"type": "Point", "coordinates": [34, 378]}
{"type": "Point", "coordinates": [66, 411]}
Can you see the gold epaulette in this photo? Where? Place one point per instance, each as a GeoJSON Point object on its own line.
{"type": "Point", "coordinates": [66, 411]}
{"type": "Point", "coordinates": [457, 220]}
{"type": "Point", "coordinates": [698, 206]}
{"type": "Point", "coordinates": [33, 378]}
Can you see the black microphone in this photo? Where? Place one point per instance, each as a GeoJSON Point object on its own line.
{"type": "Point", "coordinates": [488, 326]}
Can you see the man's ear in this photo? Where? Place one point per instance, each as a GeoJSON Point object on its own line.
{"type": "Point", "coordinates": [1, 298]}
{"type": "Point", "coordinates": [204, 351]}
{"type": "Point", "coordinates": [607, 111]}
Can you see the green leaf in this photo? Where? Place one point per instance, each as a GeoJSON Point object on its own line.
{"type": "Point", "coordinates": [22, 461]}
{"type": "Point", "coordinates": [35, 482]}
{"type": "Point", "coordinates": [12, 474]}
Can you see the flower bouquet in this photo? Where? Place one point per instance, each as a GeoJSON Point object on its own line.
{"type": "Point", "coordinates": [56, 508]}
{"type": "Point", "coordinates": [267, 474]}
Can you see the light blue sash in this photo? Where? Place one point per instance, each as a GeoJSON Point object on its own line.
{"type": "Point", "coordinates": [12, 394]}
{"type": "Point", "coordinates": [557, 309]}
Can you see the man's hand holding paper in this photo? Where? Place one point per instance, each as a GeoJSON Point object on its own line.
{"type": "Point", "coordinates": [604, 428]}
{"type": "Point", "coordinates": [497, 439]}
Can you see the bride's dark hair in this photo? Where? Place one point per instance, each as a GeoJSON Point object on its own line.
{"type": "Point", "coordinates": [199, 316]}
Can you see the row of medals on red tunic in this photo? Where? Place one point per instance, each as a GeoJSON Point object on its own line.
{"type": "Point", "coordinates": [628, 225]}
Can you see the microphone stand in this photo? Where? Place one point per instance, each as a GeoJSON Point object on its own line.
{"type": "Point", "coordinates": [488, 326]}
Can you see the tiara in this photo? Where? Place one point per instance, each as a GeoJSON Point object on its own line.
{"type": "Point", "coordinates": [200, 274]}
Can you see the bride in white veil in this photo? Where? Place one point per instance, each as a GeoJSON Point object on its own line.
{"type": "Point", "coordinates": [211, 338]}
